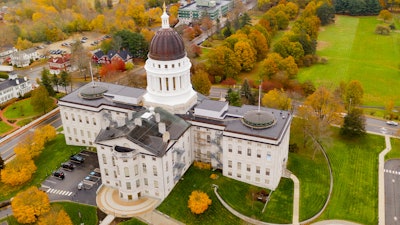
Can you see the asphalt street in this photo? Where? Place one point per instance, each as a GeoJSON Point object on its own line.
{"type": "Point", "coordinates": [392, 192]}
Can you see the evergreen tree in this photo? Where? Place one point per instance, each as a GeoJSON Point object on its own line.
{"type": "Point", "coordinates": [354, 124]}
{"type": "Point", "coordinates": [55, 81]}
{"type": "Point", "coordinates": [246, 92]}
{"type": "Point", "coordinates": [227, 31]}
{"type": "Point", "coordinates": [46, 82]}
{"type": "Point", "coordinates": [373, 7]}
{"type": "Point", "coordinates": [134, 42]}
{"type": "Point", "coordinates": [65, 80]}
{"type": "Point", "coordinates": [245, 20]}
{"type": "Point", "coordinates": [326, 13]}
{"type": "Point", "coordinates": [233, 97]}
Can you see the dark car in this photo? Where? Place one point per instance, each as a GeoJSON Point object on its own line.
{"type": "Point", "coordinates": [77, 158]}
{"type": "Point", "coordinates": [67, 166]}
{"type": "Point", "coordinates": [59, 175]}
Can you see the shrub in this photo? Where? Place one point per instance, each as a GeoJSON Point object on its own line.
{"type": "Point", "coordinates": [202, 165]}
{"type": "Point", "coordinates": [198, 202]}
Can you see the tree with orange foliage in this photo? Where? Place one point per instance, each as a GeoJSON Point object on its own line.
{"type": "Point", "coordinates": [198, 202]}
{"type": "Point", "coordinates": [55, 216]}
{"type": "Point", "coordinates": [18, 171]}
{"type": "Point", "coordinates": [28, 205]}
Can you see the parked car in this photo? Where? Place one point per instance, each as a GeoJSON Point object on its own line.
{"type": "Point", "coordinates": [80, 185]}
{"type": "Point", "coordinates": [392, 123]}
{"type": "Point", "coordinates": [67, 166]}
{"type": "Point", "coordinates": [59, 175]}
{"type": "Point", "coordinates": [95, 174]}
{"type": "Point", "coordinates": [77, 158]}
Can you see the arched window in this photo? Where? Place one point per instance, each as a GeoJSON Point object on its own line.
{"type": "Point", "coordinates": [126, 171]}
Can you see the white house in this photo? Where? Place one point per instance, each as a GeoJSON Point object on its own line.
{"type": "Point", "coordinates": [147, 139]}
{"type": "Point", "coordinates": [24, 58]}
{"type": "Point", "coordinates": [14, 87]}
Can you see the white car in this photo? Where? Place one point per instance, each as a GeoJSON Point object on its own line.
{"type": "Point", "coordinates": [392, 123]}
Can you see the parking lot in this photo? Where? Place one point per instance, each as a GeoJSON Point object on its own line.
{"type": "Point", "coordinates": [67, 188]}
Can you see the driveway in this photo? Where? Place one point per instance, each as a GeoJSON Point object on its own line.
{"type": "Point", "coordinates": [67, 189]}
{"type": "Point", "coordinates": [392, 192]}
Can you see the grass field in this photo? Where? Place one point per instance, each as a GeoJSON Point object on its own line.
{"type": "Point", "coordinates": [395, 152]}
{"type": "Point", "coordinates": [20, 109]}
{"type": "Point", "coordinates": [355, 171]}
{"type": "Point", "coordinates": [236, 194]}
{"type": "Point", "coordinates": [4, 127]}
{"type": "Point", "coordinates": [355, 52]}
{"type": "Point", "coordinates": [88, 213]}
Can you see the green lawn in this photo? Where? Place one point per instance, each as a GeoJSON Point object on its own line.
{"type": "Point", "coordinates": [50, 159]}
{"type": "Point", "coordinates": [20, 109]}
{"type": "Point", "coordinates": [355, 171]}
{"type": "Point", "coordinates": [235, 193]}
{"type": "Point", "coordinates": [313, 175]}
{"type": "Point", "coordinates": [88, 213]}
{"type": "Point", "coordinates": [395, 152]}
{"type": "Point", "coordinates": [4, 127]}
{"type": "Point", "coordinates": [133, 221]}
{"type": "Point", "coordinates": [355, 52]}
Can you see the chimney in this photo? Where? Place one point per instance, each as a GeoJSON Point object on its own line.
{"type": "Point", "coordinates": [138, 121]}
{"type": "Point", "coordinates": [166, 137]}
{"type": "Point", "coordinates": [161, 128]}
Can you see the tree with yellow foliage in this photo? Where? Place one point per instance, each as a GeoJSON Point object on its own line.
{"type": "Point", "coordinates": [47, 133]}
{"type": "Point", "coordinates": [277, 99]}
{"type": "Point", "coordinates": [18, 171]}
{"type": "Point", "coordinates": [198, 202]}
{"type": "Point", "coordinates": [23, 44]}
{"type": "Point", "coordinates": [55, 216]}
{"type": "Point", "coordinates": [28, 205]}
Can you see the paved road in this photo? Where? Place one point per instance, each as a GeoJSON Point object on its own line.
{"type": "Point", "coordinates": [392, 192]}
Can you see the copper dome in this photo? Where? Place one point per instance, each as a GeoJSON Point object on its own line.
{"type": "Point", "coordinates": [166, 45]}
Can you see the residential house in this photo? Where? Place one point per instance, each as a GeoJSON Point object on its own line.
{"type": "Point", "coordinates": [113, 55]}
{"type": "Point", "coordinates": [24, 58]}
{"type": "Point", "coordinates": [58, 64]}
{"type": "Point", "coordinates": [14, 87]}
{"type": "Point", "coordinates": [6, 51]}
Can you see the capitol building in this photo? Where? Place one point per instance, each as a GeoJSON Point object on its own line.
{"type": "Point", "coordinates": [146, 139]}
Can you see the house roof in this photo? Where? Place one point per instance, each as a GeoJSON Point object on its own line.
{"type": "Point", "coordinates": [11, 83]}
{"type": "Point", "coordinates": [60, 60]}
{"type": "Point", "coordinates": [122, 53]}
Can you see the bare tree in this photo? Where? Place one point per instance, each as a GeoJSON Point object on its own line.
{"type": "Point", "coordinates": [80, 58]}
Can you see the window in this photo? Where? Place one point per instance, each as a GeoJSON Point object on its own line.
{"type": "Point", "coordinates": [167, 180]}
{"type": "Point", "coordinates": [229, 163]}
{"type": "Point", "coordinates": [94, 121]}
{"type": "Point", "coordinates": [166, 167]}
{"type": "Point", "coordinates": [156, 184]}
{"type": "Point", "coordinates": [248, 168]}
{"type": "Point", "coordinates": [113, 161]}
{"type": "Point", "coordinates": [137, 183]}
{"type": "Point", "coordinates": [229, 173]}
{"type": "Point", "coordinates": [208, 139]}
{"type": "Point", "coordinates": [239, 150]}
{"type": "Point", "coordinates": [124, 160]}
{"type": "Point", "coordinates": [115, 174]}
{"type": "Point", "coordinates": [88, 134]}
{"type": "Point", "coordinates": [73, 117]}
{"type": "Point", "coordinates": [126, 171]}
{"type": "Point", "coordinates": [136, 170]}
{"type": "Point", "coordinates": [239, 175]}
{"type": "Point", "coordinates": [146, 181]}
{"type": "Point", "coordinates": [247, 177]}
{"type": "Point", "coordinates": [106, 172]}
{"type": "Point", "coordinates": [239, 165]}
{"type": "Point", "coordinates": [258, 153]}
{"type": "Point", "coordinates": [144, 168]}
{"type": "Point", "coordinates": [80, 119]}
{"type": "Point", "coordinates": [66, 116]}
{"type": "Point", "coordinates": [267, 171]}
{"type": "Point", "coordinates": [143, 156]}
{"type": "Point", "coordinates": [128, 186]}
{"type": "Point", "coordinates": [153, 158]}
{"type": "Point", "coordinates": [104, 159]}
{"type": "Point", "coordinates": [257, 169]}
{"type": "Point", "coordinates": [269, 157]}
{"type": "Point", "coordinates": [82, 133]}
{"type": "Point", "coordinates": [257, 179]}
{"type": "Point", "coordinates": [248, 152]}
{"type": "Point", "coordinates": [68, 130]}
{"type": "Point", "coordinates": [87, 120]}
{"type": "Point", "coordinates": [229, 148]}
{"type": "Point", "coordinates": [154, 170]}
